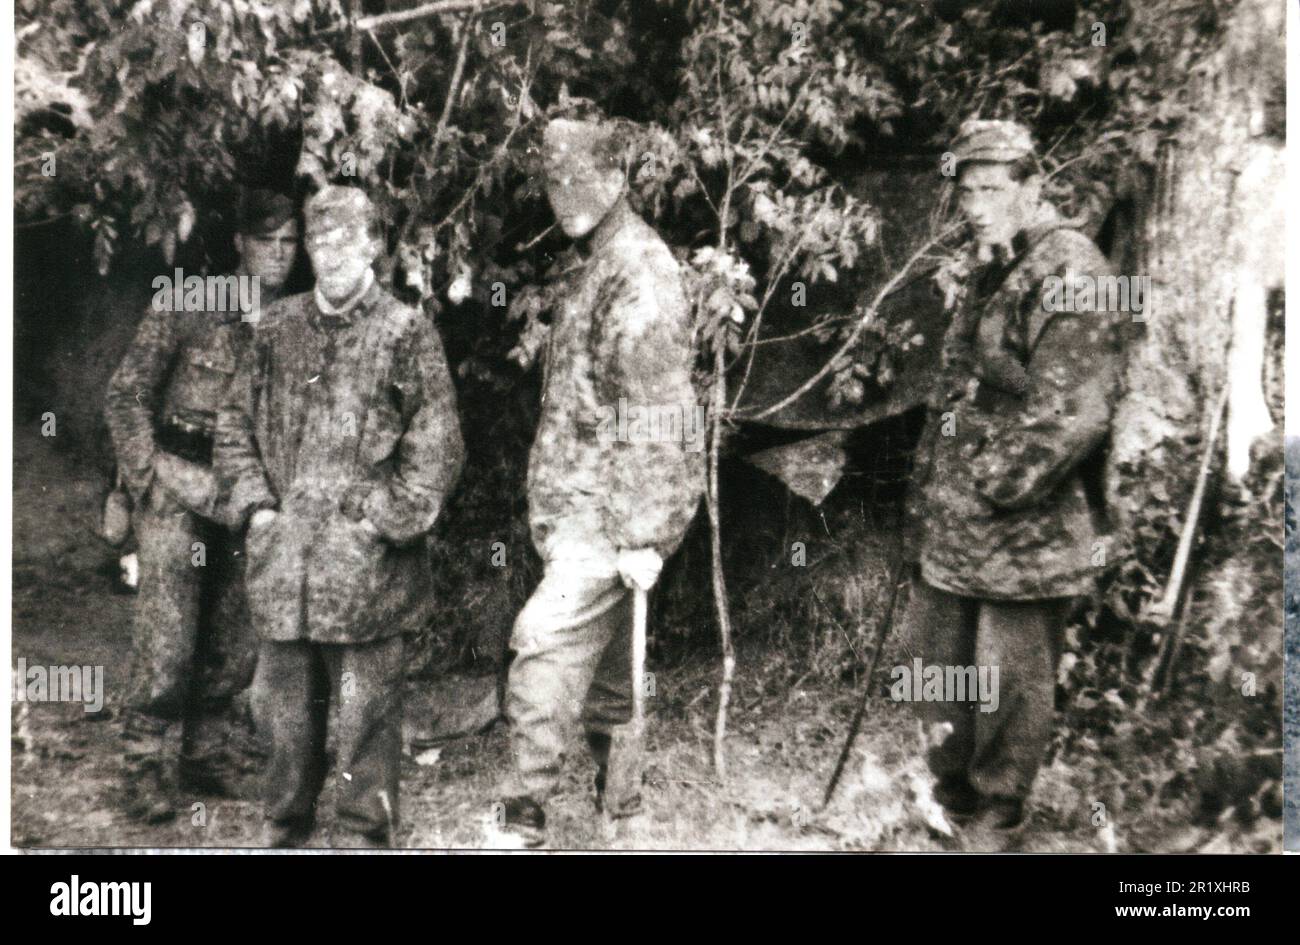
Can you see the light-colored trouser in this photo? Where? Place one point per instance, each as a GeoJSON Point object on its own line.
{"type": "Point", "coordinates": [573, 646]}
{"type": "Point", "coordinates": [999, 751]}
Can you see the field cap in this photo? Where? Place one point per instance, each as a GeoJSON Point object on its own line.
{"type": "Point", "coordinates": [339, 208]}
{"type": "Point", "coordinates": [263, 211]}
{"type": "Point", "coordinates": [986, 140]}
{"type": "Point", "coordinates": [569, 142]}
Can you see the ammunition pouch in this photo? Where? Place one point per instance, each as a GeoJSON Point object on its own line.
{"type": "Point", "coordinates": [189, 441]}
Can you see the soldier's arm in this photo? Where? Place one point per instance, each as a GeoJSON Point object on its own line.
{"type": "Point", "coordinates": [644, 358]}
{"type": "Point", "coordinates": [134, 393]}
{"type": "Point", "coordinates": [430, 452]}
{"type": "Point", "coordinates": [1073, 374]}
{"type": "Point", "coordinates": [236, 456]}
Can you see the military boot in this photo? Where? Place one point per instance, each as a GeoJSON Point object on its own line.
{"type": "Point", "coordinates": [957, 795]}
{"type": "Point", "coordinates": [623, 799]}
{"type": "Point", "coordinates": [600, 744]}
{"type": "Point", "coordinates": [147, 794]}
{"type": "Point", "coordinates": [997, 826]}
{"type": "Point", "coordinates": [204, 762]}
{"type": "Point", "coordinates": [524, 820]}
{"type": "Point", "coordinates": [287, 834]}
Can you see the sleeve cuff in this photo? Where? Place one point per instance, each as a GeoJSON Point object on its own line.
{"type": "Point", "coordinates": [243, 511]}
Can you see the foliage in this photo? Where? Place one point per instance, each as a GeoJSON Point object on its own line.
{"type": "Point", "coordinates": [744, 113]}
{"type": "Point", "coordinates": [746, 123]}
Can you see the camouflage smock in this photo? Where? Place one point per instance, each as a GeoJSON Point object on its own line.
{"type": "Point", "coordinates": [998, 507]}
{"type": "Point", "coordinates": [620, 340]}
{"type": "Point", "coordinates": [330, 413]}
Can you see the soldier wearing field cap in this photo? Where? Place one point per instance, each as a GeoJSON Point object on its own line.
{"type": "Point", "coordinates": [339, 445]}
{"type": "Point", "coordinates": [192, 648]}
{"type": "Point", "coordinates": [1001, 522]}
{"type": "Point", "coordinates": [604, 512]}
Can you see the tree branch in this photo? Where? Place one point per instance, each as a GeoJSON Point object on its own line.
{"type": "Point", "coordinates": [397, 17]}
{"type": "Point", "coordinates": [867, 318]}
{"type": "Point", "coordinates": [454, 87]}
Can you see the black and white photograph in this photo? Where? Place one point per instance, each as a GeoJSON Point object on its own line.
{"type": "Point", "coordinates": [848, 426]}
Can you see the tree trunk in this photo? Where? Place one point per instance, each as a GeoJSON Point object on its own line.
{"type": "Point", "coordinates": [1209, 252]}
{"type": "Point", "coordinates": [1178, 362]}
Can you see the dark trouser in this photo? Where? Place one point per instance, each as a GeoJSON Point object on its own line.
{"type": "Point", "coordinates": [293, 690]}
{"type": "Point", "coordinates": [192, 645]}
{"type": "Point", "coordinates": [999, 751]}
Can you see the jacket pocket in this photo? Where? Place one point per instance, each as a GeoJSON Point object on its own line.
{"type": "Point", "coordinates": [192, 485]}
{"type": "Point", "coordinates": [160, 500]}
{"type": "Point", "coordinates": [202, 379]}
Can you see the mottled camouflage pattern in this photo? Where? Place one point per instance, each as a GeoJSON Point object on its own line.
{"type": "Point", "coordinates": [340, 423]}
{"type": "Point", "coordinates": [192, 649]}
{"type": "Point", "coordinates": [999, 510]}
{"type": "Point", "coordinates": [623, 332]}
{"type": "Point", "coordinates": [180, 364]}
{"type": "Point", "coordinates": [980, 139]}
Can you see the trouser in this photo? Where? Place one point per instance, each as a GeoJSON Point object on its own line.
{"type": "Point", "coordinates": [999, 751]}
{"type": "Point", "coordinates": [573, 662]}
{"type": "Point", "coordinates": [193, 649]}
{"type": "Point", "coordinates": [296, 681]}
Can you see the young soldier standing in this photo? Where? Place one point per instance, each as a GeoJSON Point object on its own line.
{"type": "Point", "coordinates": [340, 443]}
{"type": "Point", "coordinates": [604, 513]}
{"type": "Point", "coordinates": [192, 650]}
{"type": "Point", "coordinates": [1007, 534]}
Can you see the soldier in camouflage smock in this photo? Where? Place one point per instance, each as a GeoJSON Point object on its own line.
{"type": "Point", "coordinates": [607, 502]}
{"type": "Point", "coordinates": [192, 648]}
{"type": "Point", "coordinates": [1004, 527]}
{"type": "Point", "coordinates": [340, 444]}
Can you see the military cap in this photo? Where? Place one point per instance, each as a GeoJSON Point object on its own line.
{"type": "Point", "coordinates": [590, 143]}
{"type": "Point", "coordinates": [983, 140]}
{"type": "Point", "coordinates": [335, 208]}
{"type": "Point", "coordinates": [263, 211]}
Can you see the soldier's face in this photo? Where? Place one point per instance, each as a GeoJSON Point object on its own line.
{"type": "Point", "coordinates": [581, 194]}
{"type": "Point", "coordinates": [269, 256]}
{"type": "Point", "coordinates": [340, 257]}
{"type": "Point", "coordinates": [997, 206]}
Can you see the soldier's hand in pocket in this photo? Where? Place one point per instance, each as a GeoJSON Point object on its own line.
{"type": "Point", "coordinates": [193, 485]}
{"type": "Point", "coordinates": [639, 568]}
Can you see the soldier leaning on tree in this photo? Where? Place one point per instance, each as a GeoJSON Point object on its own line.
{"type": "Point", "coordinates": [603, 513]}
{"type": "Point", "coordinates": [192, 650]}
{"type": "Point", "coordinates": [339, 443]}
{"type": "Point", "coordinates": [1005, 530]}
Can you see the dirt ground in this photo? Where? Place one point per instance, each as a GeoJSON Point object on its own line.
{"type": "Point", "coordinates": [785, 733]}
